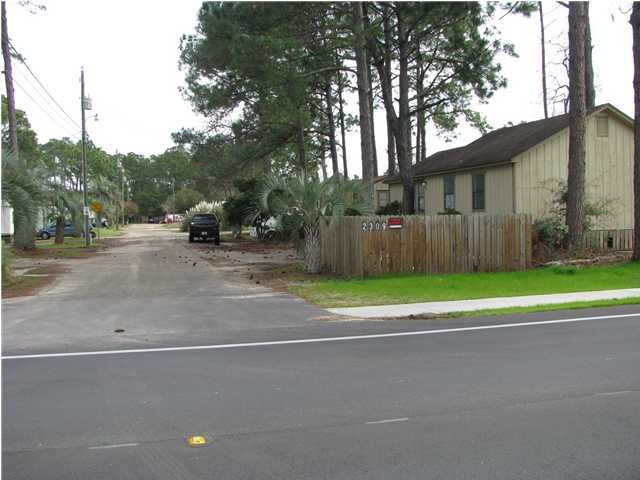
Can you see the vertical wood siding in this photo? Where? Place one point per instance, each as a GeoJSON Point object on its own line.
{"type": "Point", "coordinates": [395, 193]}
{"type": "Point", "coordinates": [498, 191]}
{"type": "Point", "coordinates": [609, 180]}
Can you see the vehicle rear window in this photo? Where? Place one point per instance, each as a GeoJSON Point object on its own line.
{"type": "Point", "coordinates": [204, 218]}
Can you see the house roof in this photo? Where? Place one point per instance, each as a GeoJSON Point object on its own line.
{"type": "Point", "coordinates": [499, 146]}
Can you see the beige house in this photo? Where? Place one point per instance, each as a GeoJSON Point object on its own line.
{"type": "Point", "coordinates": [520, 169]}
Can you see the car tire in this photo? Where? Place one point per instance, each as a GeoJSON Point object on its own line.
{"type": "Point", "coordinates": [216, 240]}
{"type": "Point", "coordinates": [45, 236]}
{"type": "Point", "coordinates": [190, 238]}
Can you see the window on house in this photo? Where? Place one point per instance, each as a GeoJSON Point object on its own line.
{"type": "Point", "coordinates": [383, 198]}
{"type": "Point", "coordinates": [449, 192]}
{"type": "Point", "coordinates": [419, 198]}
{"type": "Point", "coordinates": [602, 126]}
{"type": "Point", "coordinates": [477, 186]}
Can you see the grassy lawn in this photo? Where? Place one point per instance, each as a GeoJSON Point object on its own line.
{"type": "Point", "coordinates": [73, 247]}
{"type": "Point", "coordinates": [548, 308]}
{"type": "Point", "coordinates": [22, 285]}
{"type": "Point", "coordinates": [411, 288]}
{"type": "Point", "coordinates": [109, 232]}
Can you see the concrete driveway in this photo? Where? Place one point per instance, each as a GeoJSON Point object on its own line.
{"type": "Point", "coordinates": [154, 286]}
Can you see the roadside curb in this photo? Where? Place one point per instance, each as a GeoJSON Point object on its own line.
{"type": "Point", "coordinates": [456, 306]}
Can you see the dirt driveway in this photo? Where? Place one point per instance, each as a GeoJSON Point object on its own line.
{"type": "Point", "coordinates": [159, 290]}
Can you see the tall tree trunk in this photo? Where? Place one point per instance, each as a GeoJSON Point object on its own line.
{"type": "Point", "coordinates": [403, 135]}
{"type": "Point", "coordinates": [420, 119]}
{"type": "Point", "coordinates": [8, 80]}
{"type": "Point", "coordinates": [635, 25]}
{"type": "Point", "coordinates": [321, 158]}
{"type": "Point", "coordinates": [302, 159]}
{"type": "Point", "coordinates": [423, 145]}
{"type": "Point", "coordinates": [399, 123]}
{"type": "Point", "coordinates": [345, 170]}
{"type": "Point", "coordinates": [391, 151]}
{"type": "Point", "coordinates": [332, 129]}
{"type": "Point", "coordinates": [362, 69]}
{"type": "Point", "coordinates": [23, 226]}
{"type": "Point", "coordinates": [544, 63]}
{"type": "Point", "coordinates": [418, 135]}
{"type": "Point", "coordinates": [577, 113]}
{"type": "Point", "coordinates": [59, 229]}
{"type": "Point", "coordinates": [371, 113]}
{"type": "Point", "coordinates": [391, 141]}
{"type": "Point", "coordinates": [588, 62]}
{"type": "Point", "coordinates": [312, 258]}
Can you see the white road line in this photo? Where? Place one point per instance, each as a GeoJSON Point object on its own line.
{"type": "Point", "coordinates": [117, 445]}
{"type": "Point", "coordinates": [610, 394]}
{"type": "Point", "coordinates": [390, 420]}
{"type": "Point", "coordinates": [320, 340]}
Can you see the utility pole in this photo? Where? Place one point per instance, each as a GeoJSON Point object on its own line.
{"type": "Point", "coordinates": [85, 209]}
{"type": "Point", "coordinates": [8, 79]}
{"type": "Point", "coordinates": [544, 62]}
{"type": "Point", "coordinates": [122, 191]}
{"type": "Point", "coordinates": [121, 167]}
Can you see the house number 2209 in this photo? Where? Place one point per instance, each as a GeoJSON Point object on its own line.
{"type": "Point", "coordinates": [374, 226]}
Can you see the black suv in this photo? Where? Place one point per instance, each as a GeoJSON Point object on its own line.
{"type": "Point", "coordinates": [204, 226]}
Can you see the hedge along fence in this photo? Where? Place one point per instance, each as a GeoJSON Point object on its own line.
{"type": "Point", "coordinates": [362, 246]}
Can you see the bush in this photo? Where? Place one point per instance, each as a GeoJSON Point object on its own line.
{"type": "Point", "coordinates": [551, 231]}
{"type": "Point", "coordinates": [203, 207]}
{"type": "Point", "coordinates": [243, 208]}
{"type": "Point", "coordinates": [450, 211]}
{"type": "Point", "coordinates": [392, 208]}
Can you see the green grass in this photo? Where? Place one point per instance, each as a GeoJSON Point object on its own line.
{"type": "Point", "coordinates": [411, 288]}
{"type": "Point", "coordinates": [20, 285]}
{"type": "Point", "coordinates": [73, 247]}
{"type": "Point", "coordinates": [69, 243]}
{"type": "Point", "coordinates": [549, 308]}
{"type": "Point", "coordinates": [109, 232]}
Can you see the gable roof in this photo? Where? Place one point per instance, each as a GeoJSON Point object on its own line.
{"type": "Point", "coordinates": [499, 146]}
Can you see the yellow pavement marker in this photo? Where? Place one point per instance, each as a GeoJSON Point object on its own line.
{"type": "Point", "coordinates": [197, 441]}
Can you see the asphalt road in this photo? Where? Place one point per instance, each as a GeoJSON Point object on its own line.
{"type": "Point", "coordinates": [529, 401]}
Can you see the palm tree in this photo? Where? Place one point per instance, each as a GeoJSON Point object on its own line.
{"type": "Point", "coordinates": [65, 203]}
{"type": "Point", "coordinates": [21, 188]}
{"type": "Point", "coordinates": [309, 201]}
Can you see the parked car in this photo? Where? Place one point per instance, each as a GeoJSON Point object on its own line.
{"type": "Point", "coordinates": [69, 231]}
{"type": "Point", "coordinates": [204, 226]}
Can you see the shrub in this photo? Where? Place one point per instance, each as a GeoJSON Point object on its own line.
{"type": "Point", "coordinates": [551, 231]}
{"type": "Point", "coordinates": [203, 207]}
{"type": "Point", "coordinates": [392, 208]}
{"type": "Point", "coordinates": [450, 211]}
{"type": "Point", "coordinates": [593, 208]}
{"type": "Point", "coordinates": [244, 208]}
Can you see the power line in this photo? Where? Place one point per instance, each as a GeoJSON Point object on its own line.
{"type": "Point", "coordinates": [66, 129]}
{"type": "Point", "coordinates": [45, 100]}
{"type": "Point", "coordinates": [24, 62]}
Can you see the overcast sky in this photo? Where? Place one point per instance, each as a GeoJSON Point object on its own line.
{"type": "Point", "coordinates": [129, 50]}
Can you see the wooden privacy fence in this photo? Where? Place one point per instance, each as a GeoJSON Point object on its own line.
{"type": "Point", "coordinates": [617, 240]}
{"type": "Point", "coordinates": [361, 246]}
